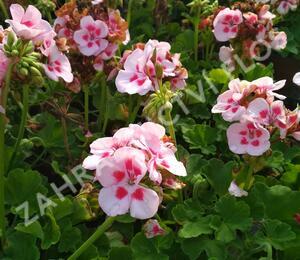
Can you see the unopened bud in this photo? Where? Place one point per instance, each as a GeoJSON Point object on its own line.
{"type": "Point", "coordinates": [35, 72]}
{"type": "Point", "coordinates": [23, 72]}
{"type": "Point", "coordinates": [10, 39]}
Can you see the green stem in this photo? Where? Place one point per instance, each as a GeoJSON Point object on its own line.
{"type": "Point", "coordinates": [4, 10]}
{"type": "Point", "coordinates": [86, 107]}
{"type": "Point", "coordinates": [134, 112]}
{"type": "Point", "coordinates": [170, 124]}
{"type": "Point", "coordinates": [66, 140]}
{"type": "Point", "coordinates": [249, 178]}
{"type": "Point", "coordinates": [102, 101]}
{"type": "Point", "coordinates": [22, 123]}
{"type": "Point", "coordinates": [4, 94]}
{"type": "Point", "coordinates": [99, 231]}
{"type": "Point", "coordinates": [106, 97]}
{"type": "Point", "coordinates": [196, 39]}
{"type": "Point", "coordinates": [129, 10]}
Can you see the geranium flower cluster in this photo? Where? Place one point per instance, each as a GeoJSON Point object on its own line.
{"type": "Point", "coordinates": [147, 65]}
{"type": "Point", "coordinates": [249, 28]}
{"type": "Point", "coordinates": [94, 31]}
{"type": "Point", "coordinates": [28, 28]}
{"type": "Point", "coordinates": [121, 164]}
{"type": "Point", "coordinates": [257, 115]}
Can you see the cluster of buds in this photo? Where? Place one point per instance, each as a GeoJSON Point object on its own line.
{"type": "Point", "coordinates": [259, 115]}
{"type": "Point", "coordinates": [147, 66]}
{"type": "Point", "coordinates": [249, 28]}
{"type": "Point", "coordinates": [30, 46]}
{"type": "Point", "coordinates": [94, 31]}
{"type": "Point", "coordinates": [121, 164]}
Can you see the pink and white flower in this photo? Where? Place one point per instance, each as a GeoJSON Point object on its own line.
{"type": "Point", "coordinates": [279, 40]}
{"type": "Point", "coordinates": [285, 6]}
{"type": "Point", "coordinates": [90, 38]}
{"type": "Point", "coordinates": [153, 229]}
{"type": "Point", "coordinates": [226, 56]}
{"type": "Point", "coordinates": [228, 103]}
{"type": "Point", "coordinates": [236, 191]}
{"type": "Point", "coordinates": [245, 138]}
{"type": "Point", "coordinates": [4, 61]}
{"type": "Point", "coordinates": [134, 79]}
{"type": "Point", "coordinates": [29, 24]}
{"type": "Point", "coordinates": [58, 66]}
{"type": "Point", "coordinates": [226, 24]}
{"type": "Point", "coordinates": [120, 176]}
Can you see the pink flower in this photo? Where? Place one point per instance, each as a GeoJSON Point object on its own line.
{"type": "Point", "coordinates": [58, 66]}
{"type": "Point", "coordinates": [153, 229]}
{"type": "Point", "coordinates": [107, 54]}
{"type": "Point", "coordinates": [120, 176]}
{"type": "Point", "coordinates": [4, 61]}
{"type": "Point", "coordinates": [228, 103]}
{"type": "Point", "coordinates": [134, 79]}
{"type": "Point", "coordinates": [96, 2]}
{"type": "Point", "coordinates": [226, 24]}
{"type": "Point", "coordinates": [266, 85]}
{"type": "Point", "coordinates": [260, 112]}
{"type": "Point", "coordinates": [226, 56]}
{"type": "Point", "coordinates": [29, 24]}
{"type": "Point", "coordinates": [279, 40]}
{"type": "Point", "coordinates": [236, 191]}
{"type": "Point", "coordinates": [90, 38]}
{"type": "Point", "coordinates": [245, 138]}
{"type": "Point", "coordinates": [285, 6]}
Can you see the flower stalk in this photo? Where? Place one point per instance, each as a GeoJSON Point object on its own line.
{"type": "Point", "coordinates": [5, 89]}
{"type": "Point", "coordinates": [25, 109]}
{"type": "Point", "coordinates": [86, 107]}
{"type": "Point", "coordinates": [99, 231]}
{"type": "Point", "coordinates": [3, 9]}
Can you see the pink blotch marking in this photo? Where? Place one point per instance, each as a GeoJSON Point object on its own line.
{"type": "Point", "coordinates": [263, 113]}
{"type": "Point", "coordinates": [119, 175]}
{"type": "Point", "coordinates": [255, 143]}
{"type": "Point", "coordinates": [244, 141]}
{"type": "Point", "coordinates": [121, 193]}
{"type": "Point", "coordinates": [258, 133]}
{"type": "Point", "coordinates": [138, 194]}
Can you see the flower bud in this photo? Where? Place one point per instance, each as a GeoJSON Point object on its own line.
{"type": "Point", "coordinates": [35, 72]}
{"type": "Point", "coordinates": [10, 39]}
{"type": "Point", "coordinates": [23, 72]}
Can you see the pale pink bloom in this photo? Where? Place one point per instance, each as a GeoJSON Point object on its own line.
{"type": "Point", "coordinates": [265, 14]}
{"type": "Point", "coordinates": [107, 54]}
{"type": "Point", "coordinates": [47, 46]}
{"type": "Point", "coordinates": [268, 86]}
{"type": "Point", "coordinates": [259, 111]}
{"type": "Point", "coordinates": [291, 119]}
{"type": "Point", "coordinates": [4, 61]}
{"type": "Point", "coordinates": [251, 18]}
{"type": "Point", "coordinates": [106, 147]}
{"type": "Point", "coordinates": [61, 29]}
{"type": "Point", "coordinates": [134, 79]}
{"type": "Point", "coordinates": [285, 6]}
{"type": "Point", "coordinates": [296, 135]}
{"type": "Point", "coordinates": [236, 191]}
{"type": "Point", "coordinates": [296, 79]}
{"type": "Point", "coordinates": [245, 138]}
{"type": "Point", "coordinates": [173, 183]}
{"type": "Point", "coordinates": [153, 229]}
{"type": "Point", "coordinates": [261, 32]}
{"type": "Point", "coordinates": [96, 2]}
{"type": "Point", "coordinates": [226, 56]}
{"type": "Point", "coordinates": [279, 40]}
{"type": "Point", "coordinates": [90, 38]}
{"type": "Point", "coordinates": [28, 24]}
{"type": "Point", "coordinates": [228, 103]}
{"type": "Point", "coordinates": [121, 193]}
{"type": "Point", "coordinates": [58, 66]}
{"type": "Point", "coordinates": [226, 24]}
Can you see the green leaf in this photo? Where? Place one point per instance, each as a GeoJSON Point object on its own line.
{"type": "Point", "coordinates": [277, 233]}
{"type": "Point", "coordinates": [201, 137]}
{"type": "Point", "coordinates": [144, 248]}
{"type": "Point", "coordinates": [196, 228]}
{"type": "Point", "coordinates": [188, 211]}
{"type": "Point", "coordinates": [34, 229]}
{"type": "Point", "coordinates": [194, 247]}
{"type": "Point", "coordinates": [225, 233]}
{"type": "Point", "coordinates": [117, 253]}
{"type": "Point", "coordinates": [21, 246]}
{"type": "Point", "coordinates": [219, 175]}
{"type": "Point", "coordinates": [219, 76]}
{"type": "Point", "coordinates": [236, 214]}
{"type": "Point", "coordinates": [51, 231]}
